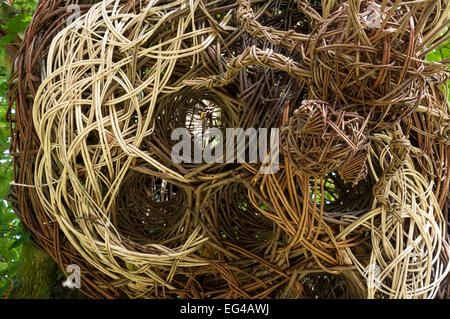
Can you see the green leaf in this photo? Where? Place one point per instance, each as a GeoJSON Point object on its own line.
{"type": "Point", "coordinates": [13, 254]}
{"type": "Point", "coordinates": [7, 218]}
{"type": "Point", "coordinates": [17, 24]}
{"type": "Point", "coordinates": [20, 241]}
{"type": "Point", "coordinates": [7, 39]}
{"type": "Point", "coordinates": [3, 266]}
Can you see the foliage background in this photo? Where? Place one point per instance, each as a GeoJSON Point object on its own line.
{"type": "Point", "coordinates": [14, 17]}
{"type": "Point", "coordinates": [13, 22]}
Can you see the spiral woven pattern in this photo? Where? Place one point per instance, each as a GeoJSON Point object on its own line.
{"type": "Point", "coordinates": [361, 188]}
{"type": "Point", "coordinates": [318, 141]}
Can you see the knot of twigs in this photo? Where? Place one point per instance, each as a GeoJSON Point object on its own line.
{"type": "Point", "coordinates": [319, 140]}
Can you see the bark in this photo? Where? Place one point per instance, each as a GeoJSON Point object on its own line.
{"type": "Point", "coordinates": [36, 275]}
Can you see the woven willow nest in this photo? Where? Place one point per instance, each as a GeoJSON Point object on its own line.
{"type": "Point", "coordinates": [376, 68]}
{"type": "Point", "coordinates": [355, 196]}
{"type": "Point", "coordinates": [406, 226]}
{"type": "Point", "coordinates": [317, 140]}
{"type": "Point", "coordinates": [377, 71]}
